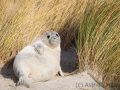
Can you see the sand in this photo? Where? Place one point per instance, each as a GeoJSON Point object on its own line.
{"type": "Point", "coordinates": [76, 81]}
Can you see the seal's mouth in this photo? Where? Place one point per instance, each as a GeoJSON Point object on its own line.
{"type": "Point", "coordinates": [55, 41]}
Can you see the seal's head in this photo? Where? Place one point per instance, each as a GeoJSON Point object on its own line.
{"type": "Point", "coordinates": [51, 39]}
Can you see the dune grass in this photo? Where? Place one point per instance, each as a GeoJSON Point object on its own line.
{"type": "Point", "coordinates": [98, 43]}
{"type": "Point", "coordinates": [21, 21]}
{"type": "Point", "coordinates": [93, 26]}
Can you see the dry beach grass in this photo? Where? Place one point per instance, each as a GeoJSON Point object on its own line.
{"type": "Point", "coordinates": [92, 26]}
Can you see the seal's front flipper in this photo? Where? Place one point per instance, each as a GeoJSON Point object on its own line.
{"type": "Point", "coordinates": [60, 72]}
{"type": "Point", "coordinates": [38, 47]}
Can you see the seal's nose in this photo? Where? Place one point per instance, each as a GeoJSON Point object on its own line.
{"type": "Point", "coordinates": [54, 37]}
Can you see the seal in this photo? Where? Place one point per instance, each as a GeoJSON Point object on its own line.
{"type": "Point", "coordinates": [39, 61]}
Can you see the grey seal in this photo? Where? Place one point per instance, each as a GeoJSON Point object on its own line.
{"type": "Point", "coordinates": [39, 61]}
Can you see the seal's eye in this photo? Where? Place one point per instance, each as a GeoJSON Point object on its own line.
{"type": "Point", "coordinates": [48, 36]}
{"type": "Point", "coordinates": [57, 35]}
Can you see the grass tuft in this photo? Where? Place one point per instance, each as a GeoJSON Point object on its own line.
{"type": "Point", "coordinates": [21, 21]}
{"type": "Point", "coordinates": [98, 43]}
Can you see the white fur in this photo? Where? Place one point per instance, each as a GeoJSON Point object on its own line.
{"type": "Point", "coordinates": [30, 66]}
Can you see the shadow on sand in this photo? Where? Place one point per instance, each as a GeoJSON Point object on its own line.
{"type": "Point", "coordinates": [68, 64]}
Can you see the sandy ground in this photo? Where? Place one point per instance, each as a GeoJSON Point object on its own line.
{"type": "Point", "coordinates": [77, 81]}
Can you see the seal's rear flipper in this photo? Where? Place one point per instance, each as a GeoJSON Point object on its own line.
{"type": "Point", "coordinates": [24, 80]}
